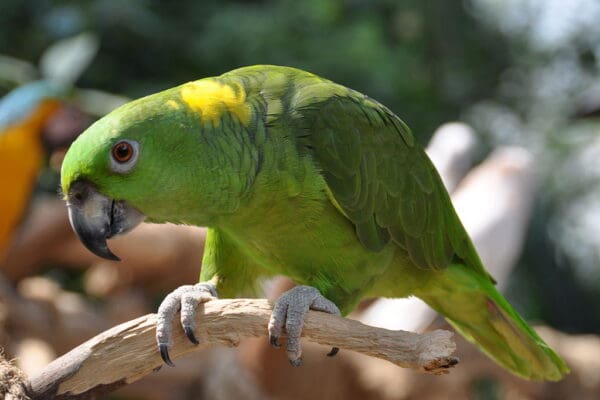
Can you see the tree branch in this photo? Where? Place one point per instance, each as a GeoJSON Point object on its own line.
{"type": "Point", "coordinates": [128, 352]}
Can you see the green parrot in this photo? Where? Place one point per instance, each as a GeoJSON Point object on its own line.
{"type": "Point", "coordinates": [293, 175]}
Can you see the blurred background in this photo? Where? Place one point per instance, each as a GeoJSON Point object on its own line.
{"type": "Point", "coordinates": [521, 76]}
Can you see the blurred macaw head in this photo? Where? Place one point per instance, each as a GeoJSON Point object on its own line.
{"type": "Point", "coordinates": [43, 106]}
{"type": "Point", "coordinates": [22, 102]}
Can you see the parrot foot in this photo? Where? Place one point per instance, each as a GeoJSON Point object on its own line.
{"type": "Point", "coordinates": [185, 298]}
{"type": "Point", "coordinates": [289, 311]}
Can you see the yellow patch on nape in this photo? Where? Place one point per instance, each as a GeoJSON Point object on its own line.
{"type": "Point", "coordinates": [213, 99]}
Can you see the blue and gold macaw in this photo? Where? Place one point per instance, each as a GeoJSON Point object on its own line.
{"type": "Point", "coordinates": [23, 114]}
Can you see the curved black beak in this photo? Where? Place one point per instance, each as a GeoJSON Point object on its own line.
{"type": "Point", "coordinates": [96, 218]}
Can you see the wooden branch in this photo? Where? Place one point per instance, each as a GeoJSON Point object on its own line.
{"type": "Point", "coordinates": [128, 352]}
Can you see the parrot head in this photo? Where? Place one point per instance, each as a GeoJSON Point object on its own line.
{"type": "Point", "coordinates": [136, 163]}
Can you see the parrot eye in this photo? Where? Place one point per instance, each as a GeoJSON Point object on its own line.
{"type": "Point", "coordinates": [124, 155]}
{"type": "Point", "coordinates": [122, 152]}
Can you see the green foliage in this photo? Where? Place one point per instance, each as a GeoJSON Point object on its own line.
{"type": "Point", "coordinates": [426, 60]}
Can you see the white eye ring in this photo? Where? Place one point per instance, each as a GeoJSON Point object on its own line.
{"type": "Point", "coordinates": [124, 155]}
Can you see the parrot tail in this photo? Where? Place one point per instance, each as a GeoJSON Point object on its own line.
{"type": "Point", "coordinates": [471, 303]}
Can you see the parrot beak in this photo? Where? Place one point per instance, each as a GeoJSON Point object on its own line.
{"type": "Point", "coordinates": [95, 217]}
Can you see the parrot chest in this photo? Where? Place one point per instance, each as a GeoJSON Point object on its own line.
{"type": "Point", "coordinates": [308, 240]}
{"type": "Point", "coordinates": [21, 156]}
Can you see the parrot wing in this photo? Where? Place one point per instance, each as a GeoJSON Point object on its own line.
{"type": "Point", "coordinates": [382, 180]}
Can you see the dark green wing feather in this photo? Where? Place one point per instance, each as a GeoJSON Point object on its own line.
{"type": "Point", "coordinates": [381, 179]}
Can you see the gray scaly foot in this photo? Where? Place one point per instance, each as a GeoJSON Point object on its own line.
{"type": "Point", "coordinates": [185, 298]}
{"type": "Point", "coordinates": [289, 312]}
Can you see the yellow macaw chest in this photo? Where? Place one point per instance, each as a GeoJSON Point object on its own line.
{"type": "Point", "coordinates": [21, 156]}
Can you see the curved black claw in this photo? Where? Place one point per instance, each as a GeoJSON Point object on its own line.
{"type": "Point", "coordinates": [189, 332]}
{"type": "Point", "coordinates": [274, 340]}
{"type": "Point", "coordinates": [333, 352]}
{"type": "Point", "coordinates": [297, 362]}
{"type": "Point", "coordinates": [164, 354]}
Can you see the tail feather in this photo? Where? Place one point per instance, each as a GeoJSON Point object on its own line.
{"type": "Point", "coordinates": [480, 313]}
